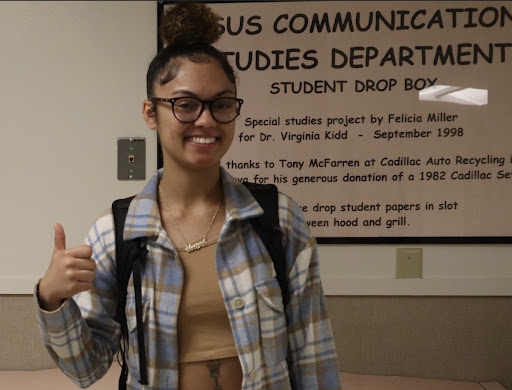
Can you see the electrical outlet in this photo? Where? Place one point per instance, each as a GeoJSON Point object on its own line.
{"type": "Point", "coordinates": [409, 263]}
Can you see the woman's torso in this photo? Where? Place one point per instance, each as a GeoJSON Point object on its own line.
{"type": "Point", "coordinates": [207, 352]}
{"type": "Point", "coordinates": [225, 374]}
{"type": "Point", "coordinates": [244, 277]}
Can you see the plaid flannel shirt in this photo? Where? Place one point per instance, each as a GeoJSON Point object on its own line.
{"type": "Point", "coordinates": [275, 351]}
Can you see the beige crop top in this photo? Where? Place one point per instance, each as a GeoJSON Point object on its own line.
{"type": "Point", "coordinates": [204, 331]}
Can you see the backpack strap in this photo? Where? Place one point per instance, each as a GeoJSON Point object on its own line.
{"type": "Point", "coordinates": [129, 257]}
{"type": "Point", "coordinates": [267, 227]}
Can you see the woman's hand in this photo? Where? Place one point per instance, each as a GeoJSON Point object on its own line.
{"type": "Point", "coordinates": [70, 271]}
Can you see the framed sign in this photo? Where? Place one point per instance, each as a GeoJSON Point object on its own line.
{"type": "Point", "coordinates": [386, 121]}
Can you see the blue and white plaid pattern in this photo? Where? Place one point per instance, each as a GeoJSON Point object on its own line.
{"type": "Point", "coordinates": [83, 338]}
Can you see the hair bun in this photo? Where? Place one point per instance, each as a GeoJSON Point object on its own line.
{"type": "Point", "coordinates": [185, 23]}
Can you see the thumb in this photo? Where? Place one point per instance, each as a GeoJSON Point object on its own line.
{"type": "Point", "coordinates": [60, 237]}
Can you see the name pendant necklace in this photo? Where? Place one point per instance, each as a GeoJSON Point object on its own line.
{"type": "Point", "coordinates": [192, 246]}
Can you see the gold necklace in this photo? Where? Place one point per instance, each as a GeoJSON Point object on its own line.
{"type": "Point", "coordinates": [192, 246]}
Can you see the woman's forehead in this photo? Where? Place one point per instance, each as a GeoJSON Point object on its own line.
{"type": "Point", "coordinates": [205, 77]}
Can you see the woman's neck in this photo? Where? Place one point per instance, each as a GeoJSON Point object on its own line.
{"type": "Point", "coordinates": [186, 188]}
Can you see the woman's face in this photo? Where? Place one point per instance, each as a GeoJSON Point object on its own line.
{"type": "Point", "coordinates": [202, 143]}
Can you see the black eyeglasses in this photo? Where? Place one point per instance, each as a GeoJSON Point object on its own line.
{"type": "Point", "coordinates": [189, 109]}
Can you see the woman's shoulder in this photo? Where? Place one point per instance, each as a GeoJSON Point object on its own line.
{"type": "Point", "coordinates": [290, 208]}
{"type": "Point", "coordinates": [105, 221]}
{"type": "Point", "coordinates": [291, 218]}
{"type": "Point", "coordinates": [102, 229]}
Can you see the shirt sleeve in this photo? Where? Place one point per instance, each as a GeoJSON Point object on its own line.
{"type": "Point", "coordinates": [312, 357]}
{"type": "Point", "coordinates": [82, 335]}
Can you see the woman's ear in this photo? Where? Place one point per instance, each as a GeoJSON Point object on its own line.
{"type": "Point", "coordinates": [149, 113]}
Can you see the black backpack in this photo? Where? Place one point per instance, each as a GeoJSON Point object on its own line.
{"type": "Point", "coordinates": [130, 256]}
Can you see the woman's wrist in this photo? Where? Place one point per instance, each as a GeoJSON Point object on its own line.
{"type": "Point", "coordinates": [46, 303]}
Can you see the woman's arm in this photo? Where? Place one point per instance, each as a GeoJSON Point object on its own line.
{"type": "Point", "coordinates": [312, 355]}
{"type": "Point", "coordinates": [81, 335]}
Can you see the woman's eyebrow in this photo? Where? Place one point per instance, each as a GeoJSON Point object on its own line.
{"type": "Point", "coordinates": [184, 91]}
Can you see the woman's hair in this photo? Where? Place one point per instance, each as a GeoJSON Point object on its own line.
{"type": "Point", "coordinates": [188, 30]}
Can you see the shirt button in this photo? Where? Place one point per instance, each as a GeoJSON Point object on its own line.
{"type": "Point", "coordinates": [238, 303]}
{"type": "Point", "coordinates": [253, 375]}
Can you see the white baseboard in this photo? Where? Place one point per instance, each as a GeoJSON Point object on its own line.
{"type": "Point", "coordinates": [420, 287]}
{"type": "Point", "coordinates": [356, 286]}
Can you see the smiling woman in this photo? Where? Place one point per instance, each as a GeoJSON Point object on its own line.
{"type": "Point", "coordinates": [204, 308]}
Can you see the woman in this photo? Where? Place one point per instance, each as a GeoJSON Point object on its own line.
{"type": "Point", "coordinates": [212, 308]}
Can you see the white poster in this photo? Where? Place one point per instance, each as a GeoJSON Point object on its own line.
{"type": "Point", "coordinates": [381, 119]}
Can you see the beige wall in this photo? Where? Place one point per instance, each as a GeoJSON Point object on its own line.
{"type": "Point", "coordinates": [464, 338]}
{"type": "Point", "coordinates": [72, 80]}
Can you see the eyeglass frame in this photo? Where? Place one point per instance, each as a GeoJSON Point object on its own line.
{"type": "Point", "coordinates": [203, 105]}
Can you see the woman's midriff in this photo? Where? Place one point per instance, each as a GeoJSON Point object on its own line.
{"type": "Point", "coordinates": [220, 374]}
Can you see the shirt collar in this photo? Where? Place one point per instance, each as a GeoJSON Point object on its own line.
{"type": "Point", "coordinates": [143, 217]}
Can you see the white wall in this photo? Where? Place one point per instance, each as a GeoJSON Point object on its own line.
{"type": "Point", "coordinates": [463, 270]}
{"type": "Point", "coordinates": [72, 80]}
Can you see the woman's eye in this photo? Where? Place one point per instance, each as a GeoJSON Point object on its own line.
{"type": "Point", "coordinates": [224, 105]}
{"type": "Point", "coordinates": [186, 105]}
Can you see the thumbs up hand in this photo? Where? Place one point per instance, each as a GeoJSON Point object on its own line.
{"type": "Point", "coordinates": [70, 271]}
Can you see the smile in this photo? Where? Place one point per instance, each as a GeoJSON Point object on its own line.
{"type": "Point", "coordinates": [203, 140]}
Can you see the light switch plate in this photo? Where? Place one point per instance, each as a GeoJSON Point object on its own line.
{"type": "Point", "coordinates": [409, 263]}
{"type": "Point", "coordinates": [131, 158]}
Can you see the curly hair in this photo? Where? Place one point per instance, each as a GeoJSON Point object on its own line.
{"type": "Point", "coordinates": [188, 23]}
{"type": "Point", "coordinates": [188, 31]}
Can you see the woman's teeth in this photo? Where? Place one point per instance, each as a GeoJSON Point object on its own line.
{"type": "Point", "coordinates": [203, 140]}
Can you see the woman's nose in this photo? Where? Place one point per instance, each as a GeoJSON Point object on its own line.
{"type": "Point", "coordinates": [206, 118]}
